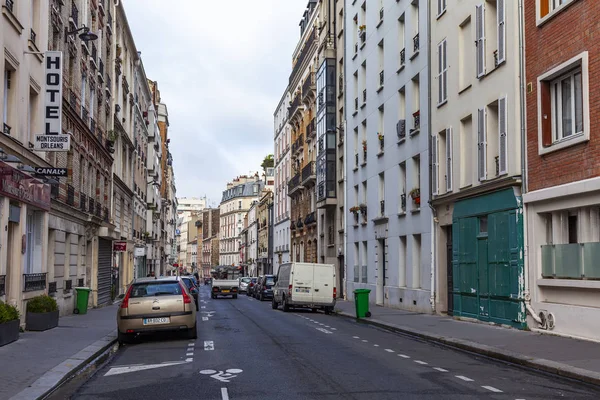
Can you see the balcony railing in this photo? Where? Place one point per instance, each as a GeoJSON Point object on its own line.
{"type": "Point", "coordinates": [10, 5]}
{"type": "Point", "coordinates": [6, 129]}
{"type": "Point", "coordinates": [68, 285]}
{"type": "Point", "coordinates": [381, 13]}
{"type": "Point", "coordinates": [70, 195]}
{"type": "Point", "coordinates": [84, 114]}
{"type": "Point", "coordinates": [403, 202]}
{"type": "Point", "coordinates": [105, 214]}
{"type": "Point", "coordinates": [34, 282]}
{"type": "Point", "coordinates": [417, 120]}
{"type": "Point", "coordinates": [82, 201]}
{"type": "Point", "coordinates": [98, 210]}
{"type": "Point", "coordinates": [364, 97]}
{"type": "Point", "coordinates": [381, 78]}
{"type": "Point", "coordinates": [94, 52]}
{"type": "Point", "coordinates": [2, 285]}
{"type": "Point", "coordinates": [75, 14]}
{"type": "Point", "coordinates": [108, 84]}
{"type": "Point", "coordinates": [298, 144]}
{"type": "Point", "coordinates": [310, 129]}
{"type": "Point", "coordinates": [308, 172]}
{"type": "Point", "coordinates": [80, 282]}
{"type": "Point", "coordinates": [92, 125]}
{"type": "Point", "coordinates": [416, 43]}
{"type": "Point", "coordinates": [356, 104]}
{"type": "Point", "coordinates": [382, 207]}
{"type": "Point", "coordinates": [402, 57]}
{"type": "Point", "coordinates": [363, 35]}
{"type": "Point", "coordinates": [91, 205]}
{"type": "Point", "coordinates": [72, 99]}
{"type": "Point", "coordinates": [293, 183]}
{"type": "Point", "coordinates": [310, 40]}
{"type": "Point", "coordinates": [308, 87]}
{"type": "Point", "coordinates": [401, 128]}
{"type": "Point", "coordinates": [32, 35]}
{"type": "Point", "coordinates": [101, 68]}
{"type": "Point", "coordinates": [295, 105]}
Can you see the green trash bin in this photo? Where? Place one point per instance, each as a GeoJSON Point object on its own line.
{"type": "Point", "coordinates": [361, 302]}
{"type": "Point", "coordinates": [83, 294]}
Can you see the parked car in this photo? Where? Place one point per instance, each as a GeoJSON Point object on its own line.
{"type": "Point", "coordinates": [207, 281]}
{"type": "Point", "coordinates": [305, 285]}
{"type": "Point", "coordinates": [244, 281]}
{"type": "Point", "coordinates": [155, 305]}
{"type": "Point", "coordinates": [250, 287]}
{"type": "Point", "coordinates": [264, 287]}
{"type": "Point", "coordinates": [256, 286]}
{"type": "Point", "coordinates": [192, 287]}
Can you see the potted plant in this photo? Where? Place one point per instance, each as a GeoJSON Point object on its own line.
{"type": "Point", "coordinates": [363, 208]}
{"type": "Point", "coordinates": [415, 193]}
{"type": "Point", "coordinates": [364, 144]}
{"type": "Point", "coordinates": [362, 28]}
{"type": "Point", "coordinates": [354, 209]}
{"type": "Point", "coordinates": [42, 313]}
{"type": "Point", "coordinates": [380, 136]}
{"type": "Point", "coordinates": [9, 323]}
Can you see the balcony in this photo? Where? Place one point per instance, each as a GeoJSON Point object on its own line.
{"type": "Point", "coordinates": [310, 219]}
{"type": "Point", "coordinates": [295, 107]}
{"type": "Point", "coordinates": [381, 78]}
{"type": "Point", "coordinates": [416, 43]}
{"type": "Point", "coordinates": [402, 57]}
{"type": "Point", "coordinates": [311, 39]}
{"type": "Point", "coordinates": [364, 97]}
{"type": "Point", "coordinates": [10, 5]}
{"type": "Point", "coordinates": [403, 203]}
{"type": "Point", "coordinates": [6, 129]}
{"type": "Point", "coordinates": [363, 36]}
{"type": "Point", "coordinates": [32, 35]}
{"type": "Point", "coordinates": [70, 195]}
{"type": "Point", "coordinates": [298, 145]}
{"type": "Point", "coordinates": [91, 205]}
{"type": "Point", "coordinates": [356, 104]}
{"type": "Point", "coordinates": [72, 99]}
{"type": "Point", "coordinates": [84, 115]}
{"type": "Point", "coordinates": [311, 130]}
{"type": "Point", "coordinates": [33, 282]}
{"type": "Point", "coordinates": [93, 126]}
{"type": "Point", "coordinates": [98, 210]}
{"type": "Point", "coordinates": [309, 174]}
{"type": "Point", "coordinates": [82, 201]}
{"type": "Point", "coordinates": [308, 88]}
{"type": "Point", "coordinates": [294, 184]}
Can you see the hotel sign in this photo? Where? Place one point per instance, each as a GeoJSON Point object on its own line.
{"type": "Point", "coordinates": [22, 187]}
{"type": "Point", "coordinates": [119, 247]}
{"type": "Point", "coordinates": [53, 139]}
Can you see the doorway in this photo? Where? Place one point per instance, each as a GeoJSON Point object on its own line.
{"type": "Point", "coordinates": [449, 269]}
{"type": "Point", "coordinates": [381, 273]}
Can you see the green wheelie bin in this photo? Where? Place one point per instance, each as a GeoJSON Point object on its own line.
{"type": "Point", "coordinates": [83, 294]}
{"type": "Point", "coordinates": [361, 302]}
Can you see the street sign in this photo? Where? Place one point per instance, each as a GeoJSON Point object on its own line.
{"type": "Point", "coordinates": [54, 142]}
{"type": "Point", "coordinates": [51, 171]}
{"type": "Point", "coordinates": [119, 247]}
{"type": "Point", "coordinates": [53, 93]}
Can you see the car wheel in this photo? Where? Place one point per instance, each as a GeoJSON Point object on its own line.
{"type": "Point", "coordinates": [197, 307]}
{"type": "Point", "coordinates": [192, 333]}
{"type": "Point", "coordinates": [328, 310]}
{"type": "Point", "coordinates": [212, 296]}
{"type": "Point", "coordinates": [286, 306]}
{"type": "Point", "coordinates": [274, 304]}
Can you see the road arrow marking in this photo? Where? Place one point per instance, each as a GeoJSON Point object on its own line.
{"type": "Point", "coordinates": [135, 368]}
{"type": "Point", "coordinates": [209, 345]}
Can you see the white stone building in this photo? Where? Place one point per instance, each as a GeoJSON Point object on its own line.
{"type": "Point", "coordinates": [281, 206]}
{"type": "Point", "coordinates": [388, 246]}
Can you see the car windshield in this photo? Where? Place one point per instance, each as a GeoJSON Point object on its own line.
{"type": "Point", "coordinates": [148, 289]}
{"type": "Point", "coordinates": [245, 280]}
{"type": "Point", "coordinates": [254, 280]}
{"type": "Point", "coordinates": [188, 282]}
{"type": "Point", "coordinates": [269, 281]}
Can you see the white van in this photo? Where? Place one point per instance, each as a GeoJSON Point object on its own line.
{"type": "Point", "coordinates": [305, 285]}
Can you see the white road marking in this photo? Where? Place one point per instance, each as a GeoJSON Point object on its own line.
{"type": "Point", "coordinates": [224, 394]}
{"type": "Point", "coordinates": [333, 329]}
{"type": "Point", "coordinates": [375, 345]}
{"type": "Point", "coordinates": [389, 350]}
{"type": "Point", "coordinates": [202, 306]}
{"type": "Point", "coordinates": [365, 340]}
{"type": "Point", "coordinates": [464, 378]}
{"type": "Point", "coordinates": [327, 326]}
{"type": "Point", "coordinates": [355, 337]}
{"type": "Point", "coordinates": [421, 362]}
{"type": "Point", "coordinates": [209, 345]}
{"type": "Point", "coordinates": [223, 376]}
{"type": "Point", "coordinates": [135, 368]}
{"type": "Point", "coordinates": [492, 389]}
{"type": "Point", "coordinates": [189, 359]}
{"type": "Point", "coordinates": [440, 369]}
{"type": "Point", "coordinates": [204, 318]}
{"type": "Point", "coordinates": [403, 356]}
{"type": "Point", "coordinates": [189, 354]}
{"type": "Point", "coordinates": [323, 330]}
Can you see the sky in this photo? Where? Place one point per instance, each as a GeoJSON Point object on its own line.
{"type": "Point", "coordinates": [222, 67]}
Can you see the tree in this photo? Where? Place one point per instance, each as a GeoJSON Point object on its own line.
{"type": "Point", "coordinates": [268, 162]}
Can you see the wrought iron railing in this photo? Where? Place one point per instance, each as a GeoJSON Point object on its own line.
{"type": "Point", "coordinates": [402, 56]}
{"type": "Point", "coordinates": [356, 103]}
{"type": "Point", "coordinates": [70, 195]}
{"type": "Point", "coordinates": [72, 99]}
{"type": "Point", "coordinates": [298, 144]}
{"type": "Point", "coordinates": [82, 201]}
{"type": "Point", "coordinates": [416, 42]}
{"type": "Point", "coordinates": [51, 287]}
{"type": "Point", "coordinates": [308, 171]}
{"type": "Point", "coordinates": [403, 202]}
{"type": "Point", "coordinates": [106, 214]}
{"type": "Point", "coordinates": [34, 282]}
{"type": "Point", "coordinates": [311, 130]}
{"type": "Point", "coordinates": [382, 207]}
{"type": "Point", "coordinates": [310, 40]}
{"type": "Point", "coordinates": [68, 285]}
{"type": "Point", "coordinates": [295, 104]}
{"type": "Point", "coordinates": [294, 182]}
{"type": "Point", "coordinates": [98, 210]}
{"type": "Point", "coordinates": [94, 52]}
{"type": "Point", "coordinates": [364, 98]}
{"type": "Point", "coordinates": [80, 282]}
{"type": "Point", "coordinates": [75, 14]}
{"type": "Point", "coordinates": [32, 35]}
{"type": "Point", "coordinates": [84, 114]}
{"type": "Point", "coordinates": [381, 78]}
{"type": "Point", "coordinates": [6, 129]}
{"type": "Point", "coordinates": [10, 5]}
{"type": "Point", "coordinates": [308, 86]}
{"type": "Point", "coordinates": [91, 205]}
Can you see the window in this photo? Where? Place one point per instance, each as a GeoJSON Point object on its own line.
{"type": "Point", "coordinates": [402, 187]}
{"type": "Point", "coordinates": [416, 261]}
{"type": "Point", "coordinates": [9, 98]}
{"type": "Point", "coordinates": [434, 163]}
{"type": "Point", "coordinates": [480, 39]}
{"type": "Point", "coordinates": [572, 228]}
{"type": "Point", "coordinates": [449, 169]}
{"type": "Point", "coordinates": [33, 251]}
{"type": "Point", "coordinates": [481, 144]}
{"type": "Point", "coordinates": [547, 8]}
{"type": "Point", "coordinates": [402, 262]}
{"type": "Point", "coordinates": [441, 7]}
{"type": "Point", "coordinates": [563, 105]}
{"type": "Point", "coordinates": [465, 54]}
{"type": "Point", "coordinates": [442, 73]}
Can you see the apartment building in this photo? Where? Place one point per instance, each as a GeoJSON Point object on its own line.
{"type": "Point", "coordinates": [210, 240]}
{"type": "Point", "coordinates": [476, 145]}
{"type": "Point", "coordinates": [235, 203]}
{"type": "Point", "coordinates": [302, 113]}
{"type": "Point", "coordinates": [186, 206]}
{"type": "Point", "coordinates": [250, 251]}
{"type": "Point", "coordinates": [389, 241]}
{"type": "Point", "coordinates": [264, 222]}
{"type": "Point", "coordinates": [330, 138]}
{"type": "Point", "coordinates": [281, 201]}
{"type": "Point", "coordinates": [562, 202]}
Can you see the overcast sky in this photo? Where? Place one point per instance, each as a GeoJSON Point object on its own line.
{"type": "Point", "coordinates": [221, 67]}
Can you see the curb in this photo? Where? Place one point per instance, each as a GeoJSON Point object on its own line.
{"type": "Point", "coordinates": [552, 367]}
{"type": "Point", "coordinates": [63, 372]}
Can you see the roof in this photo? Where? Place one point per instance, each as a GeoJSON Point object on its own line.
{"type": "Point", "coordinates": [248, 189]}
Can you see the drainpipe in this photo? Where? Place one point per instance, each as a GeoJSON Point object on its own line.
{"type": "Point", "coordinates": [433, 269]}
{"type": "Point", "coordinates": [345, 175]}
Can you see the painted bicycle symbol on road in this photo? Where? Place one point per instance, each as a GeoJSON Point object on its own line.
{"type": "Point", "coordinates": [223, 376]}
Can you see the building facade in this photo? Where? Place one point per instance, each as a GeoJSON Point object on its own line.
{"type": "Point", "coordinates": [281, 201]}
{"type": "Point", "coordinates": [252, 240]}
{"type": "Point", "coordinates": [330, 138]}
{"type": "Point", "coordinates": [302, 116]}
{"type": "Point", "coordinates": [210, 240]}
{"type": "Point", "coordinates": [476, 128]}
{"type": "Point", "coordinates": [235, 203]}
{"type": "Point", "coordinates": [265, 251]}
{"type": "Point", "coordinates": [563, 179]}
{"type": "Point", "coordinates": [186, 206]}
{"type": "Point", "coordinates": [389, 240]}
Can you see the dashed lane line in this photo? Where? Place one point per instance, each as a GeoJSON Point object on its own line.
{"type": "Point", "coordinates": [464, 378]}
{"type": "Point", "coordinates": [420, 362]}
{"type": "Point", "coordinates": [492, 389]}
{"type": "Point", "coordinates": [390, 350]}
{"type": "Point", "coordinates": [440, 369]}
{"type": "Point", "coordinates": [403, 356]}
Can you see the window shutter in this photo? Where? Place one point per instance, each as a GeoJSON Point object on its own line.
{"type": "Point", "coordinates": [481, 145]}
{"type": "Point", "coordinates": [434, 164]}
{"type": "Point", "coordinates": [502, 128]}
{"type": "Point", "coordinates": [480, 39]}
{"type": "Point", "coordinates": [440, 71]}
{"type": "Point", "coordinates": [501, 31]}
{"type": "Point", "coordinates": [445, 70]}
{"type": "Point", "coordinates": [449, 159]}
{"type": "Point", "coordinates": [546, 110]}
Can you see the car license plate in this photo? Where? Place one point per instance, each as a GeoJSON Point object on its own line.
{"type": "Point", "coordinates": [225, 291]}
{"type": "Point", "coordinates": [156, 321]}
{"type": "Point", "coordinates": [299, 290]}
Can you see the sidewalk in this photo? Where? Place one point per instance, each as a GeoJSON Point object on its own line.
{"type": "Point", "coordinates": [573, 358]}
{"type": "Point", "coordinates": [38, 361]}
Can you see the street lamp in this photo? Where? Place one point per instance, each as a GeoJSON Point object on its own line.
{"type": "Point", "coordinates": [86, 35]}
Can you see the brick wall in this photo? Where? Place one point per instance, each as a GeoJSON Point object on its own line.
{"type": "Point", "coordinates": [562, 37]}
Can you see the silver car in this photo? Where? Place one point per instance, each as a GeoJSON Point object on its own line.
{"type": "Point", "coordinates": [244, 281]}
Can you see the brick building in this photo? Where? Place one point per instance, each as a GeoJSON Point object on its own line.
{"type": "Point", "coordinates": [563, 173]}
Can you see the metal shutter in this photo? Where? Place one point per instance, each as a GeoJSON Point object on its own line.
{"type": "Point", "coordinates": [104, 271]}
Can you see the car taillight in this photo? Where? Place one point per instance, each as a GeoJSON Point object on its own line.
{"type": "Point", "coordinates": [125, 302]}
{"type": "Point", "coordinates": [215, 289]}
{"type": "Point", "coordinates": [334, 292]}
{"type": "Point", "coordinates": [290, 290]}
{"type": "Point", "coordinates": [186, 298]}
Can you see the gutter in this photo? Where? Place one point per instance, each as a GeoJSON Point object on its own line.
{"type": "Point", "coordinates": [433, 269]}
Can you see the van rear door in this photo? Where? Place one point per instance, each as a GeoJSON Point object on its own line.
{"type": "Point", "coordinates": [302, 282]}
{"type": "Point", "coordinates": [323, 283]}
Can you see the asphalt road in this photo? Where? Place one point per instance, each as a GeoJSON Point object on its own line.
{"type": "Point", "coordinates": [246, 350]}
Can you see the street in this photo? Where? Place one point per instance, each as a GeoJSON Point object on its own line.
{"type": "Point", "coordinates": [246, 350]}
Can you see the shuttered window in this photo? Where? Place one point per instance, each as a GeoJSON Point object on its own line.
{"type": "Point", "coordinates": [480, 39]}
{"type": "Point", "coordinates": [442, 73]}
{"type": "Point", "coordinates": [449, 159]}
{"type": "Point", "coordinates": [502, 138]}
{"type": "Point", "coordinates": [501, 15]}
{"type": "Point", "coordinates": [481, 144]}
{"type": "Point", "coordinates": [441, 7]}
{"type": "Point", "coordinates": [434, 164]}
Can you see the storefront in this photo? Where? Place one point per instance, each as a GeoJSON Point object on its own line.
{"type": "Point", "coordinates": [487, 258]}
